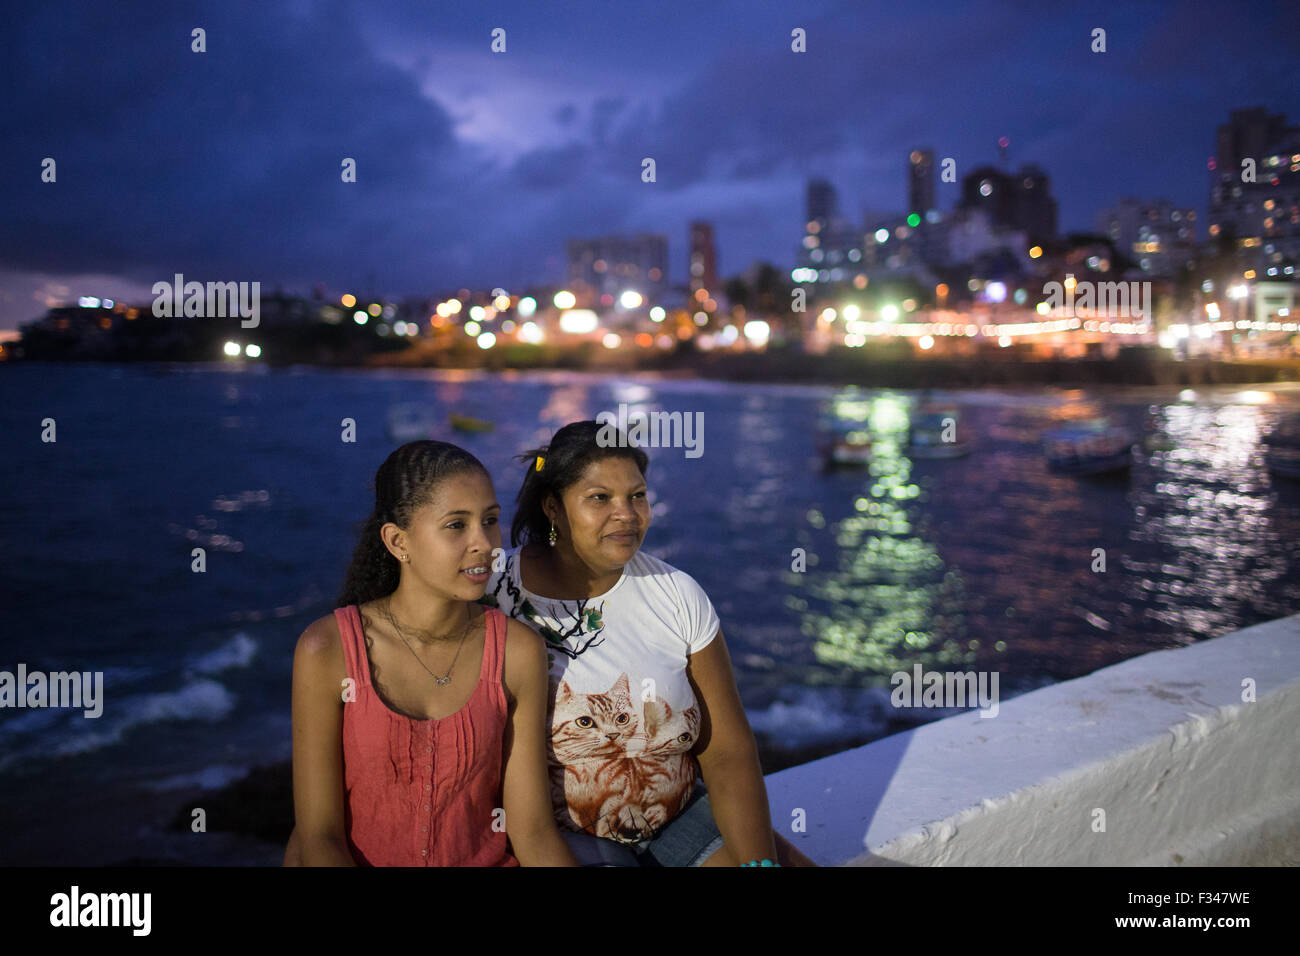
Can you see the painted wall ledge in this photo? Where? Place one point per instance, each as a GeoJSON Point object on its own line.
{"type": "Point", "coordinates": [1185, 772]}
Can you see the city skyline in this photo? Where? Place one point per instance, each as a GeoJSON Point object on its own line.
{"type": "Point", "coordinates": [474, 168]}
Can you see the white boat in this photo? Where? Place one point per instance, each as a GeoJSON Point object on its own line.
{"type": "Point", "coordinates": [410, 422]}
{"type": "Point", "coordinates": [849, 450]}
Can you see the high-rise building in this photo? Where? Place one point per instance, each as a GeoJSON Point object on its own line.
{"type": "Point", "coordinates": [1033, 208]}
{"type": "Point", "coordinates": [831, 246]}
{"type": "Point", "coordinates": [1248, 134]}
{"type": "Point", "coordinates": [988, 189]}
{"type": "Point", "coordinates": [703, 265]}
{"type": "Point", "coordinates": [1261, 216]}
{"type": "Point", "coordinates": [893, 246]}
{"type": "Point", "coordinates": [920, 181]}
{"type": "Point", "coordinates": [821, 201]}
{"type": "Point", "coordinates": [601, 270]}
{"type": "Point", "coordinates": [1016, 201]}
{"type": "Point", "coordinates": [1157, 235]}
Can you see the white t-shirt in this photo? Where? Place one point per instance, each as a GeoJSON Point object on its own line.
{"type": "Point", "coordinates": [623, 716]}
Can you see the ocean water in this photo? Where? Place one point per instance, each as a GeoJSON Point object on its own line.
{"type": "Point", "coordinates": [979, 563]}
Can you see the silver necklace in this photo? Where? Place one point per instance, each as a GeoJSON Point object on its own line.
{"type": "Point", "coordinates": [442, 681]}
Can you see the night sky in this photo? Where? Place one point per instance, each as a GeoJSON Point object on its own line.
{"type": "Point", "coordinates": [474, 166]}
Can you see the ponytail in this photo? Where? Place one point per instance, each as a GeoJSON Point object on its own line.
{"type": "Point", "coordinates": [552, 468]}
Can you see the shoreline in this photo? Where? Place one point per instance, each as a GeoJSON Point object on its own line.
{"type": "Point", "coordinates": [882, 365]}
{"type": "Point", "coordinates": [879, 367]}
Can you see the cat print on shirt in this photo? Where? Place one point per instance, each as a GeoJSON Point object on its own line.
{"type": "Point", "coordinates": [664, 770]}
{"type": "Point", "coordinates": [610, 787]}
{"type": "Point", "coordinates": [589, 735]}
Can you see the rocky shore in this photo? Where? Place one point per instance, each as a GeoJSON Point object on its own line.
{"type": "Point", "coordinates": [257, 810]}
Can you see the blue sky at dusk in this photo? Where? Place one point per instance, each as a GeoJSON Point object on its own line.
{"type": "Point", "coordinates": [474, 167]}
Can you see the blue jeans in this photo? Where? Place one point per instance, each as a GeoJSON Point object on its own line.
{"type": "Point", "coordinates": [688, 839]}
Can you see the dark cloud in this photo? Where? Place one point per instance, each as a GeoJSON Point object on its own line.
{"type": "Point", "coordinates": [550, 168]}
{"type": "Point", "coordinates": [566, 114]}
{"type": "Point", "coordinates": [226, 164]}
{"type": "Point", "coordinates": [604, 113]}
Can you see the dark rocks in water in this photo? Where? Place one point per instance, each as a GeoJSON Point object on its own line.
{"type": "Point", "coordinates": [151, 861]}
{"type": "Point", "coordinates": [773, 758]}
{"type": "Point", "coordinates": [258, 805]}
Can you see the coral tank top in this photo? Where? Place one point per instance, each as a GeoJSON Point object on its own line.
{"type": "Point", "coordinates": [424, 792]}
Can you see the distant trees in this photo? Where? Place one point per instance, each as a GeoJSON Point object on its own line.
{"type": "Point", "coordinates": [765, 292]}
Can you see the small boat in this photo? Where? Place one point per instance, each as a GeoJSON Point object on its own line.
{"type": "Point", "coordinates": [464, 423]}
{"type": "Point", "coordinates": [1159, 443]}
{"type": "Point", "coordinates": [1282, 448]}
{"type": "Point", "coordinates": [410, 422]}
{"type": "Point", "coordinates": [1093, 447]}
{"type": "Point", "coordinates": [1155, 435]}
{"type": "Point", "coordinates": [933, 433]}
{"type": "Point", "coordinates": [848, 450]}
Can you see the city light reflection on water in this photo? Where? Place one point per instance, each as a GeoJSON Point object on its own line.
{"type": "Point", "coordinates": [1214, 517]}
{"type": "Point", "coordinates": [996, 560]}
{"type": "Point", "coordinates": [984, 562]}
{"type": "Point", "coordinates": [874, 607]}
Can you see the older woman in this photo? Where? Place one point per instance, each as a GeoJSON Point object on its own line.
{"type": "Point", "coordinates": [644, 699]}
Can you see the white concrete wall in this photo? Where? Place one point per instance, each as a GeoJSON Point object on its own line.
{"type": "Point", "coordinates": [1186, 773]}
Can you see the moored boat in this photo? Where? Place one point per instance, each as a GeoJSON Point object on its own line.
{"type": "Point", "coordinates": [932, 433]}
{"type": "Point", "coordinates": [847, 450]}
{"type": "Point", "coordinates": [464, 423]}
{"type": "Point", "coordinates": [410, 422]}
{"type": "Point", "coordinates": [1093, 447]}
{"type": "Point", "coordinates": [1282, 448]}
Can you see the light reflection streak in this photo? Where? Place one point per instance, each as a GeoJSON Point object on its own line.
{"type": "Point", "coordinates": [878, 605]}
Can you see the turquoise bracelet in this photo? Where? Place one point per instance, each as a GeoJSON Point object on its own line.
{"type": "Point", "coordinates": [761, 863]}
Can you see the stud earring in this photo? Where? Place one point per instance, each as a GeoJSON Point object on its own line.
{"type": "Point", "coordinates": [551, 537]}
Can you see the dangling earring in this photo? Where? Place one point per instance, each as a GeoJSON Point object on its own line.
{"type": "Point", "coordinates": [551, 537]}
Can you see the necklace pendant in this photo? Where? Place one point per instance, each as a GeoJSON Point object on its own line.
{"type": "Point", "coordinates": [443, 681]}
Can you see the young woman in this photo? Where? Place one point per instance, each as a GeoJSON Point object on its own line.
{"type": "Point", "coordinates": [418, 715]}
{"type": "Point", "coordinates": [643, 699]}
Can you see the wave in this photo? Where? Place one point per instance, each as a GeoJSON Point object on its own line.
{"type": "Point", "coordinates": [805, 716]}
{"type": "Point", "coordinates": [209, 778]}
{"type": "Point", "coordinates": [203, 699]}
{"type": "Point", "coordinates": [239, 651]}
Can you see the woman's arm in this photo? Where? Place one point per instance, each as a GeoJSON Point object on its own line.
{"type": "Point", "coordinates": [530, 820]}
{"type": "Point", "coordinates": [318, 746]}
{"type": "Point", "coordinates": [728, 756]}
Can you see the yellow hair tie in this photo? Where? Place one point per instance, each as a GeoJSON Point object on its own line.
{"type": "Point", "coordinates": [540, 461]}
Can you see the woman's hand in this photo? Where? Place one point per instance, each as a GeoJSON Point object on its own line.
{"type": "Point", "coordinates": [728, 757]}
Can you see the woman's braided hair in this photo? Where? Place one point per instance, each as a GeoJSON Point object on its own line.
{"type": "Point", "coordinates": [406, 481]}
